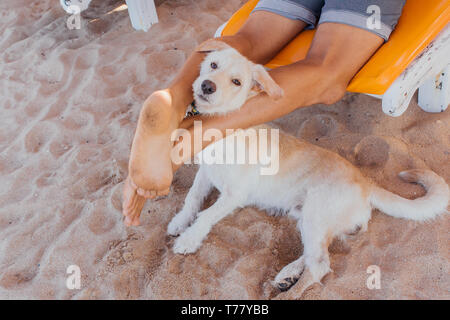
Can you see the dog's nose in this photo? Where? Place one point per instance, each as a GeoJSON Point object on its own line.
{"type": "Point", "coordinates": [208, 87]}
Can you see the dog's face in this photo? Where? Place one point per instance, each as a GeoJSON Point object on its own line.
{"type": "Point", "coordinates": [227, 79]}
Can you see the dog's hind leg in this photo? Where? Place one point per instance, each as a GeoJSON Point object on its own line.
{"type": "Point", "coordinates": [315, 259]}
{"type": "Point", "coordinates": [192, 204]}
{"type": "Point", "coordinates": [289, 275]}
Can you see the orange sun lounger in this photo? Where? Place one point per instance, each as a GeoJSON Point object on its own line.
{"type": "Point", "coordinates": [417, 55]}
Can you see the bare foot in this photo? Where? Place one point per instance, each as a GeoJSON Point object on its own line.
{"type": "Point", "coordinates": [150, 167]}
{"type": "Point", "coordinates": [132, 203]}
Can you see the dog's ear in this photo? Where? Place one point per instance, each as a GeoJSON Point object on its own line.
{"type": "Point", "coordinates": [264, 82]}
{"type": "Point", "coordinates": [212, 45]}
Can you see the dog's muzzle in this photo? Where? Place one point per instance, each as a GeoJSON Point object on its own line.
{"type": "Point", "coordinates": [208, 87]}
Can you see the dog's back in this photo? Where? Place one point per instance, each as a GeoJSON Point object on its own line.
{"type": "Point", "coordinates": [300, 165]}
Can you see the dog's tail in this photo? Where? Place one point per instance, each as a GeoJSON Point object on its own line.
{"type": "Point", "coordinates": [420, 209]}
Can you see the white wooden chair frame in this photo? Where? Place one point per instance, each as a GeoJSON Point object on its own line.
{"type": "Point", "coordinates": [428, 72]}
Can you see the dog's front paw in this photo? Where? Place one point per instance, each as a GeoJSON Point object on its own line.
{"type": "Point", "coordinates": [188, 242]}
{"type": "Point", "coordinates": [175, 227]}
{"type": "Point", "coordinates": [179, 223]}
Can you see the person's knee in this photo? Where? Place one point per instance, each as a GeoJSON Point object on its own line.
{"type": "Point", "coordinates": [332, 93]}
{"type": "Point", "coordinates": [332, 84]}
{"type": "Point", "coordinates": [249, 45]}
{"type": "Point", "coordinates": [239, 41]}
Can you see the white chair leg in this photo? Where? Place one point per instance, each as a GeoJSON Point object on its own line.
{"type": "Point", "coordinates": [434, 58]}
{"type": "Point", "coordinates": [434, 94]}
{"type": "Point", "coordinates": [142, 13]}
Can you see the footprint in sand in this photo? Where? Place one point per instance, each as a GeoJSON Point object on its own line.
{"type": "Point", "coordinates": [86, 59]}
{"type": "Point", "coordinates": [92, 179]}
{"type": "Point", "coordinates": [12, 279]}
{"type": "Point", "coordinates": [318, 126]}
{"type": "Point", "coordinates": [37, 137]}
{"type": "Point", "coordinates": [49, 71]}
{"type": "Point", "coordinates": [100, 221]}
{"type": "Point", "coordinates": [59, 147]}
{"type": "Point", "coordinates": [372, 151]}
{"type": "Point", "coordinates": [164, 64]}
{"type": "Point", "coordinates": [116, 197]}
{"type": "Point", "coordinates": [107, 71]}
{"type": "Point", "coordinates": [45, 179]}
{"type": "Point", "coordinates": [76, 121]}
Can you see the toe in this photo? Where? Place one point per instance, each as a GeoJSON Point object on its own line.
{"type": "Point", "coordinates": [140, 202]}
{"type": "Point", "coordinates": [149, 194]}
{"type": "Point", "coordinates": [128, 194]}
{"type": "Point", "coordinates": [127, 221]}
{"type": "Point", "coordinates": [132, 208]}
{"type": "Point", "coordinates": [141, 192]}
{"type": "Point", "coordinates": [130, 204]}
{"type": "Point", "coordinates": [135, 222]}
{"type": "Point", "coordinates": [164, 192]}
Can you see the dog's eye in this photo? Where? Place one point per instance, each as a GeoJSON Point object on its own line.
{"type": "Point", "coordinates": [213, 65]}
{"type": "Point", "coordinates": [236, 82]}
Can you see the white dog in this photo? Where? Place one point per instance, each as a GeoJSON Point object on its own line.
{"type": "Point", "coordinates": [324, 193]}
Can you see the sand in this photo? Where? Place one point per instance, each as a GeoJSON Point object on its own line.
{"type": "Point", "coordinates": [69, 102]}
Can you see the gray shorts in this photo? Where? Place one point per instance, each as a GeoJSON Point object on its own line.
{"type": "Point", "coordinates": [377, 16]}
